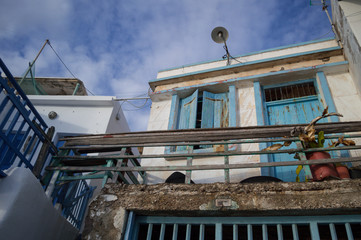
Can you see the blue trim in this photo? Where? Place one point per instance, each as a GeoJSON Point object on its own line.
{"type": "Point", "coordinates": [130, 224]}
{"type": "Point", "coordinates": [255, 77]}
{"type": "Point", "coordinates": [259, 105]}
{"type": "Point", "coordinates": [232, 106]}
{"type": "Point", "coordinates": [257, 52]}
{"type": "Point", "coordinates": [250, 220]}
{"type": "Point", "coordinates": [293, 100]}
{"type": "Point", "coordinates": [260, 113]}
{"type": "Point", "coordinates": [246, 63]}
{"type": "Point", "coordinates": [327, 95]}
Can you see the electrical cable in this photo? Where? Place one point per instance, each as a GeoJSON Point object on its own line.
{"type": "Point", "coordinates": [230, 56]}
{"type": "Point", "coordinates": [322, 35]}
{"type": "Point", "coordinates": [66, 66]}
{"type": "Point", "coordinates": [136, 105]}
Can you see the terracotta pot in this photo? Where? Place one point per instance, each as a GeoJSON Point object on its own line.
{"type": "Point", "coordinates": [321, 171]}
{"type": "Point", "coordinates": [343, 172]}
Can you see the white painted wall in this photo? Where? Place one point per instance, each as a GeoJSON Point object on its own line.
{"type": "Point", "coordinates": [347, 101]}
{"type": "Point", "coordinates": [347, 19]}
{"type": "Point", "coordinates": [345, 96]}
{"type": "Point", "coordinates": [81, 114]}
{"type": "Point", "coordinates": [27, 213]}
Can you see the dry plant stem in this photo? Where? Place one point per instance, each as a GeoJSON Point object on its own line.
{"type": "Point", "coordinates": [314, 121]}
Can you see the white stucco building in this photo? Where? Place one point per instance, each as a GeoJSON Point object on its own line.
{"type": "Point", "coordinates": [285, 85]}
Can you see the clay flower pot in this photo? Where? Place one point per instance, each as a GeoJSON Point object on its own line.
{"type": "Point", "coordinates": [343, 172]}
{"type": "Point", "coordinates": [321, 171]}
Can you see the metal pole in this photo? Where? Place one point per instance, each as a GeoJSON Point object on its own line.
{"type": "Point", "coordinates": [227, 53]}
{"type": "Point", "coordinates": [76, 88]}
{"type": "Point", "coordinates": [324, 8]}
{"type": "Point", "coordinates": [135, 98]}
{"type": "Point", "coordinates": [31, 65]}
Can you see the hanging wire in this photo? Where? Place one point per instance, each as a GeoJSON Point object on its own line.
{"type": "Point", "coordinates": [138, 107]}
{"type": "Point", "coordinates": [66, 66]}
{"type": "Point", "coordinates": [324, 35]}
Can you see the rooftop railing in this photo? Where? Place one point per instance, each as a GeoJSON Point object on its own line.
{"type": "Point", "coordinates": [110, 158]}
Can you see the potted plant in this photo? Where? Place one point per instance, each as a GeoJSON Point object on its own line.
{"type": "Point", "coordinates": [308, 139]}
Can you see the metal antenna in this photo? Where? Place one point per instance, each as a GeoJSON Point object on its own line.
{"type": "Point", "coordinates": [220, 35]}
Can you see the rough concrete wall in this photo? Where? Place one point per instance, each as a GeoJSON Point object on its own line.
{"type": "Point", "coordinates": [27, 213]}
{"type": "Point", "coordinates": [107, 215]}
{"type": "Point", "coordinates": [347, 21]}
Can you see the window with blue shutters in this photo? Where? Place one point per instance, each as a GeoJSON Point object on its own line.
{"type": "Point", "coordinates": [203, 109]}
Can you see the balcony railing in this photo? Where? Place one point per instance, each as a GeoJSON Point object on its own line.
{"type": "Point", "coordinates": [128, 169]}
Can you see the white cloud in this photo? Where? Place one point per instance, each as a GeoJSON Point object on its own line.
{"type": "Point", "coordinates": [116, 47]}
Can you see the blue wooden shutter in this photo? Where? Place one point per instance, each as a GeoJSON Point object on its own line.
{"type": "Point", "coordinates": [215, 110]}
{"type": "Point", "coordinates": [188, 111]}
{"type": "Point", "coordinates": [208, 110]}
{"type": "Point", "coordinates": [187, 114]}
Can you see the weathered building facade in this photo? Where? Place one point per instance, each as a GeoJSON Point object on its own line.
{"type": "Point", "coordinates": [212, 120]}
{"type": "Point", "coordinates": [289, 85]}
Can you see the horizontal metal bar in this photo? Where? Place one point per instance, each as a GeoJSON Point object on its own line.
{"type": "Point", "coordinates": [205, 167]}
{"type": "Point", "coordinates": [205, 154]}
{"type": "Point", "coordinates": [255, 220]}
{"type": "Point", "coordinates": [215, 134]}
{"type": "Point", "coordinates": [127, 99]}
{"type": "Point", "coordinates": [71, 178]}
{"type": "Point", "coordinates": [99, 147]}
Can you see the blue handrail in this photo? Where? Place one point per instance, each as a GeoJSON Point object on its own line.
{"type": "Point", "coordinates": [21, 93]}
{"type": "Point", "coordinates": [22, 129]}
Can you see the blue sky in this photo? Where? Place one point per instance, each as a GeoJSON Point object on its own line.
{"type": "Point", "coordinates": [116, 46]}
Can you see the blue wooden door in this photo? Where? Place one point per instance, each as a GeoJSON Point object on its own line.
{"type": "Point", "coordinates": [292, 111]}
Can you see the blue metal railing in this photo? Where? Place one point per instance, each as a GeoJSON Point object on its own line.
{"type": "Point", "coordinates": [22, 128]}
{"type": "Point", "coordinates": [270, 227]}
{"type": "Point", "coordinates": [73, 197]}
